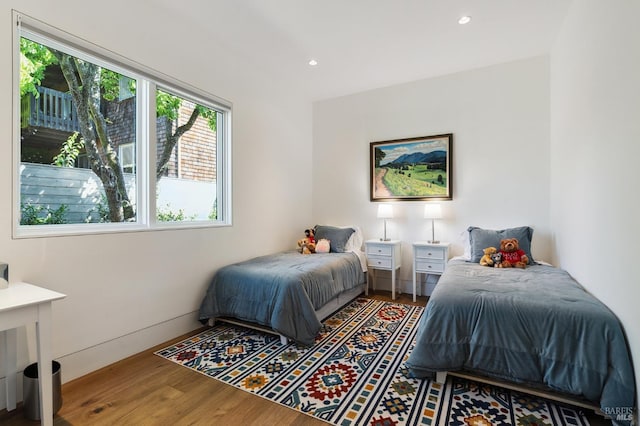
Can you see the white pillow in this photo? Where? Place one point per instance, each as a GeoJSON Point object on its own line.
{"type": "Point", "coordinates": [466, 243]}
{"type": "Point", "coordinates": [354, 243]}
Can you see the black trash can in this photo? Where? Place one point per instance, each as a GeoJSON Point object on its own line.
{"type": "Point", "coordinates": [31, 390]}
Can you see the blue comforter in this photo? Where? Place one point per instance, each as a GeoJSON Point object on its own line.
{"type": "Point", "coordinates": [282, 290]}
{"type": "Point", "coordinates": [535, 326]}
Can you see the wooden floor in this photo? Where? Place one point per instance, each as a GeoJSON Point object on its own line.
{"type": "Point", "coordinates": [148, 390]}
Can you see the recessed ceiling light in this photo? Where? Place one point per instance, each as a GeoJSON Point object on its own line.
{"type": "Point", "coordinates": [464, 20]}
{"type": "Point", "coordinates": [313, 62]}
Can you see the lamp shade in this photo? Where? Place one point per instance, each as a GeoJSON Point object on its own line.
{"type": "Point", "coordinates": [385, 211]}
{"type": "Point", "coordinates": [432, 211]}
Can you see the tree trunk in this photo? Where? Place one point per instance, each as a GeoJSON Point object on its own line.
{"type": "Point", "coordinates": [93, 128]}
{"type": "Point", "coordinates": [172, 140]}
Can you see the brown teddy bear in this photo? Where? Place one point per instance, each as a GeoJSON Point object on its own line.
{"type": "Point", "coordinates": [512, 254]}
{"type": "Point", "coordinates": [307, 245]}
{"type": "Point", "coordinates": [486, 258]}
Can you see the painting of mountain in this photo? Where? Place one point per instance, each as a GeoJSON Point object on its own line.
{"type": "Point", "coordinates": [421, 158]}
{"type": "Point", "coordinates": [411, 169]}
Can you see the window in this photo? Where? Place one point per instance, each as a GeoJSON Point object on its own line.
{"type": "Point", "coordinates": [186, 165]}
{"type": "Point", "coordinates": [103, 144]}
{"type": "Point", "coordinates": [127, 157]}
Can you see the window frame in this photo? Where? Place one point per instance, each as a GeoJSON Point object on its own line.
{"type": "Point", "coordinates": [147, 80]}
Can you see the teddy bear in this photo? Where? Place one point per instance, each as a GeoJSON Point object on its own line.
{"type": "Point", "coordinates": [486, 258]}
{"type": "Point", "coordinates": [512, 254]}
{"type": "Point", "coordinates": [307, 245]}
{"type": "Point", "coordinates": [497, 259]}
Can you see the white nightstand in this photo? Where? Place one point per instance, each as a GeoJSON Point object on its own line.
{"type": "Point", "coordinates": [386, 256]}
{"type": "Point", "coordinates": [429, 258]}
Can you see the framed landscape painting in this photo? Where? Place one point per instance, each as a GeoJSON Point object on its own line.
{"type": "Point", "coordinates": [415, 169]}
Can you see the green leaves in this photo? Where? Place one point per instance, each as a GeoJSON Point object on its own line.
{"type": "Point", "coordinates": [110, 83]}
{"type": "Point", "coordinates": [116, 86]}
{"type": "Point", "coordinates": [167, 105]}
{"type": "Point", "coordinates": [39, 215]}
{"type": "Point", "coordinates": [34, 59]}
{"type": "Point", "coordinates": [69, 151]}
{"type": "Point", "coordinates": [210, 115]}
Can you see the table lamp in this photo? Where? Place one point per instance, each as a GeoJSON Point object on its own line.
{"type": "Point", "coordinates": [433, 212]}
{"type": "Point", "coordinates": [385, 211]}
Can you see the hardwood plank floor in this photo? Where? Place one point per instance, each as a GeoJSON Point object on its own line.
{"type": "Point", "coordinates": [148, 390]}
{"type": "Point", "coordinates": [145, 389]}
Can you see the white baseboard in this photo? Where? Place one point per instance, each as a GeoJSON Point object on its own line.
{"type": "Point", "coordinates": [90, 359]}
{"type": "Point", "coordinates": [85, 361]}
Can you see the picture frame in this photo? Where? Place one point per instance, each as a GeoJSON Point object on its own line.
{"type": "Point", "coordinates": [413, 169]}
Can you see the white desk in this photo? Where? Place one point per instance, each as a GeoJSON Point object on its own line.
{"type": "Point", "coordinates": [22, 304]}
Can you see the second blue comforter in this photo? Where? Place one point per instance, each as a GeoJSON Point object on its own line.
{"type": "Point", "coordinates": [535, 326]}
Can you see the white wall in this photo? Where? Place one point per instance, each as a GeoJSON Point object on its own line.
{"type": "Point", "coordinates": [595, 154]}
{"type": "Point", "coordinates": [127, 292]}
{"type": "Point", "coordinates": [499, 117]}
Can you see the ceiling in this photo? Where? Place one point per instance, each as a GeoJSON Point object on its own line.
{"type": "Point", "coordinates": [366, 44]}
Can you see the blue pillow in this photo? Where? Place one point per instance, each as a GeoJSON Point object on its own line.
{"type": "Point", "coordinates": [337, 237]}
{"type": "Point", "coordinates": [479, 239]}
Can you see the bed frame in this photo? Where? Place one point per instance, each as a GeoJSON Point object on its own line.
{"type": "Point", "coordinates": [441, 377]}
{"type": "Point", "coordinates": [323, 312]}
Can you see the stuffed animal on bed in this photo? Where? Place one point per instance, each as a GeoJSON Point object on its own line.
{"type": "Point", "coordinates": [512, 255]}
{"type": "Point", "coordinates": [486, 258]}
{"type": "Point", "coordinates": [307, 245]}
{"type": "Point", "coordinates": [323, 246]}
{"type": "Point", "coordinates": [497, 259]}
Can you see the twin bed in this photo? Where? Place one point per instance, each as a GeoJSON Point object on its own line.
{"type": "Point", "coordinates": [536, 327]}
{"type": "Point", "coordinates": [290, 293]}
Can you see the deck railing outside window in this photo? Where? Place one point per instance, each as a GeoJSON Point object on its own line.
{"type": "Point", "coordinates": [53, 110]}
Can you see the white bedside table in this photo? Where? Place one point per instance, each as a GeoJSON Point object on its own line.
{"type": "Point", "coordinates": [385, 256]}
{"type": "Point", "coordinates": [429, 258]}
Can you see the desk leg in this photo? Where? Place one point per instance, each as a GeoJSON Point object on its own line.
{"type": "Point", "coordinates": [4, 365]}
{"type": "Point", "coordinates": [12, 361]}
{"type": "Point", "coordinates": [43, 329]}
{"type": "Point", "coordinates": [9, 355]}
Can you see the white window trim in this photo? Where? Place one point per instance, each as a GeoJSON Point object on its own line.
{"type": "Point", "coordinates": [147, 80]}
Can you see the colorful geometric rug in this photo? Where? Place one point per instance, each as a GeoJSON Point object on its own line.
{"type": "Point", "coordinates": [355, 374]}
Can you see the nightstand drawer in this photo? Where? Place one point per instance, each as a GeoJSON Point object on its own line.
{"type": "Point", "coordinates": [379, 250]}
{"type": "Point", "coordinates": [436, 253]}
{"type": "Point", "coordinates": [429, 267]}
{"type": "Point", "coordinates": [379, 262]}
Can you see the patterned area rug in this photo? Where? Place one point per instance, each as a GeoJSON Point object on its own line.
{"type": "Point", "coordinates": [355, 374]}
